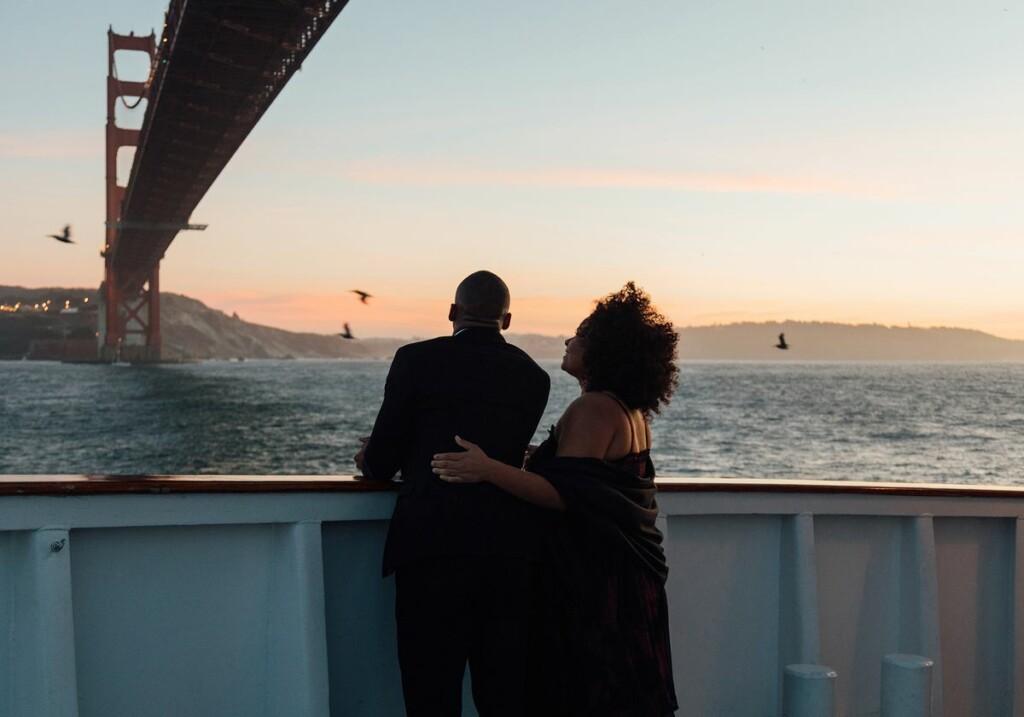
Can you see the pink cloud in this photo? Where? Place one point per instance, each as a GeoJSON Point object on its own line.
{"type": "Point", "coordinates": [914, 239]}
{"type": "Point", "coordinates": [597, 178]}
{"type": "Point", "coordinates": [420, 315]}
{"type": "Point", "coordinates": [51, 144]}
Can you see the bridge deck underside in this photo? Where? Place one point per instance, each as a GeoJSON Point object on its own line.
{"type": "Point", "coordinates": [219, 67]}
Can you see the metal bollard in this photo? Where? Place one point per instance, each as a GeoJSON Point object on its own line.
{"type": "Point", "coordinates": [906, 686]}
{"type": "Point", "coordinates": [808, 691]}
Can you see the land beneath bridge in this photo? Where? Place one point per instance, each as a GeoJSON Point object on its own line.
{"type": "Point", "coordinates": [48, 318]}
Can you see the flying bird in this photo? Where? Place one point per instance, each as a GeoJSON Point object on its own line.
{"type": "Point", "coordinates": [64, 236]}
{"type": "Point", "coordinates": [363, 296]}
{"type": "Point", "coordinates": [347, 333]}
{"type": "Point", "coordinates": [782, 343]}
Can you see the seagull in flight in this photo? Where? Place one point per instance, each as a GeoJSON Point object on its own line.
{"type": "Point", "coordinates": [347, 333]}
{"type": "Point", "coordinates": [64, 236]}
{"type": "Point", "coordinates": [363, 296]}
{"type": "Point", "coordinates": [782, 343]}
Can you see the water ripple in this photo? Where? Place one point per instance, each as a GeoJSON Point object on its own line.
{"type": "Point", "coordinates": [906, 422]}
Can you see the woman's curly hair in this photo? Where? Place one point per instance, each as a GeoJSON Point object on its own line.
{"type": "Point", "coordinates": [630, 349]}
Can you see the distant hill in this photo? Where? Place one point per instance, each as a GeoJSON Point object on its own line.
{"type": "Point", "coordinates": [818, 341]}
{"type": "Point", "coordinates": [191, 329]}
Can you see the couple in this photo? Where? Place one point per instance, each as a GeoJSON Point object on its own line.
{"type": "Point", "coordinates": [547, 578]}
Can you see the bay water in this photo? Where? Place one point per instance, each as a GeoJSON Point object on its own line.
{"type": "Point", "coordinates": [920, 422]}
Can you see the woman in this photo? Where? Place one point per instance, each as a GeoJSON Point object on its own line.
{"type": "Point", "coordinates": [604, 642]}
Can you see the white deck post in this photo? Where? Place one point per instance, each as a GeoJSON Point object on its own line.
{"type": "Point", "coordinates": [922, 611]}
{"type": "Point", "coordinates": [809, 691]}
{"type": "Point", "coordinates": [43, 631]}
{"type": "Point", "coordinates": [906, 686]}
{"type": "Point", "coordinates": [299, 683]}
{"type": "Point", "coordinates": [806, 593]}
{"type": "Point", "coordinates": [1017, 637]}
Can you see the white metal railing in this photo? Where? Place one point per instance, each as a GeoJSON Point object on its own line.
{"type": "Point", "coordinates": [152, 596]}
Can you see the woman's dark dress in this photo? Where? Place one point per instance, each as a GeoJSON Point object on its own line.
{"type": "Point", "coordinates": [603, 637]}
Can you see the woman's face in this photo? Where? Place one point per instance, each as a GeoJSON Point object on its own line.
{"type": "Point", "coordinates": [572, 361]}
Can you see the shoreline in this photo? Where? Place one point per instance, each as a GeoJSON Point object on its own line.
{"type": "Point", "coordinates": [683, 361]}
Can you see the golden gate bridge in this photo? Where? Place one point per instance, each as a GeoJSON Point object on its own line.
{"type": "Point", "coordinates": [215, 70]}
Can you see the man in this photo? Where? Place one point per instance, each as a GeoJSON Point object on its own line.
{"type": "Point", "coordinates": [461, 554]}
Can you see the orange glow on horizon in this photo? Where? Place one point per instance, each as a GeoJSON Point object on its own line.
{"type": "Point", "coordinates": [421, 317]}
{"type": "Point", "coordinates": [390, 317]}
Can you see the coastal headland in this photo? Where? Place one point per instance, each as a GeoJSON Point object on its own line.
{"type": "Point", "coordinates": [48, 323]}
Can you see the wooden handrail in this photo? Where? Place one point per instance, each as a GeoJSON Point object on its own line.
{"type": "Point", "coordinates": [109, 484]}
{"type": "Point", "coordinates": [99, 484]}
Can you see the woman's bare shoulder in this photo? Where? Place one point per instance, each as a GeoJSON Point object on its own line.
{"type": "Point", "coordinates": [595, 402]}
{"type": "Point", "coordinates": [588, 426]}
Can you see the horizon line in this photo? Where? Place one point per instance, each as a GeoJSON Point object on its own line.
{"type": "Point", "coordinates": [678, 327]}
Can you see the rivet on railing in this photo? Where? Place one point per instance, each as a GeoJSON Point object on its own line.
{"type": "Point", "coordinates": [808, 691]}
{"type": "Point", "coordinates": [906, 686]}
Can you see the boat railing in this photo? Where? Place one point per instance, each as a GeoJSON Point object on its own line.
{"type": "Point", "coordinates": [240, 595]}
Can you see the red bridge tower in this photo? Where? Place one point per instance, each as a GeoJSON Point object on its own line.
{"type": "Point", "coordinates": [129, 323]}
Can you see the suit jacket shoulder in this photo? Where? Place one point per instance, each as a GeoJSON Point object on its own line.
{"type": "Point", "coordinates": [417, 348]}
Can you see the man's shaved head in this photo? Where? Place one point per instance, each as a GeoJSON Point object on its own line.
{"type": "Point", "coordinates": [482, 298]}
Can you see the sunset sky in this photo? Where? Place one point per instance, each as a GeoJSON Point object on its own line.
{"type": "Point", "coordinates": [856, 162]}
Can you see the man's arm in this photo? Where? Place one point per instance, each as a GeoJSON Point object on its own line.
{"type": "Point", "coordinates": [542, 391]}
{"type": "Point", "coordinates": [389, 441]}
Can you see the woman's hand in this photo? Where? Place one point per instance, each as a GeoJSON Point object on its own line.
{"type": "Point", "coordinates": [469, 466]}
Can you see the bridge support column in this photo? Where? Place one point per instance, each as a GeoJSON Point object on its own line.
{"type": "Point", "coordinates": [119, 327]}
{"type": "Point", "coordinates": [138, 315]}
{"type": "Point", "coordinates": [108, 333]}
{"type": "Point", "coordinates": [153, 339]}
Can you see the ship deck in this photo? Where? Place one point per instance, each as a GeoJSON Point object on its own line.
{"type": "Point", "coordinates": [262, 595]}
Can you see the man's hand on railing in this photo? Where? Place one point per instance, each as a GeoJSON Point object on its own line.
{"type": "Point", "coordinates": [360, 457]}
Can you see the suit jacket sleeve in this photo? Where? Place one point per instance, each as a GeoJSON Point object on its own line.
{"type": "Point", "coordinates": [392, 431]}
{"type": "Point", "coordinates": [543, 391]}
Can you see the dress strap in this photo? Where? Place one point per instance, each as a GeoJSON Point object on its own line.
{"type": "Point", "coordinates": [629, 418]}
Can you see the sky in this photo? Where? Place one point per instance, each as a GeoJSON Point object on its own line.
{"type": "Point", "coordinates": [742, 161]}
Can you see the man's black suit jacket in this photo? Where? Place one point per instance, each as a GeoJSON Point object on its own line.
{"type": "Point", "coordinates": [485, 390]}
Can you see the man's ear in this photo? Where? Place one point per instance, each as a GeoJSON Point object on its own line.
{"type": "Point", "coordinates": [506, 320]}
{"type": "Point", "coordinates": [453, 312]}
